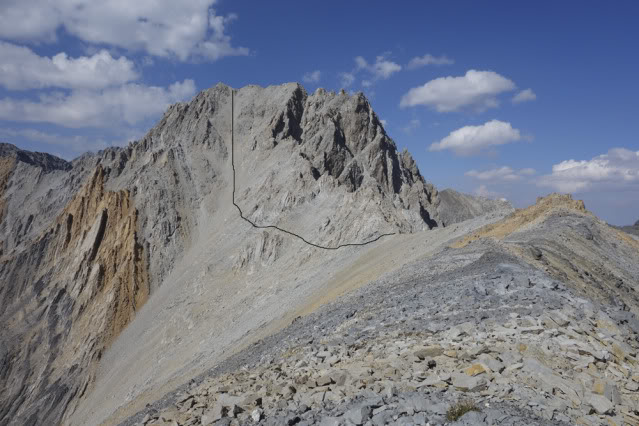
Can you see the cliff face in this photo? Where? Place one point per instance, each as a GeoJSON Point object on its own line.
{"type": "Point", "coordinates": [65, 297]}
{"type": "Point", "coordinates": [326, 153]}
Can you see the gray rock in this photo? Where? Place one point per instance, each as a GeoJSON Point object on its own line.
{"type": "Point", "coordinates": [256, 415]}
{"type": "Point", "coordinates": [467, 383]}
{"type": "Point", "coordinates": [471, 418]}
{"type": "Point", "coordinates": [331, 421]}
{"type": "Point", "coordinates": [612, 393]}
{"type": "Point", "coordinates": [359, 415]}
{"type": "Point", "coordinates": [216, 413]}
{"type": "Point", "coordinates": [382, 418]}
{"type": "Point", "coordinates": [491, 363]}
{"type": "Point", "coordinates": [600, 404]}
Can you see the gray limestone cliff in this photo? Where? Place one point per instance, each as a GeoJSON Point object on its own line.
{"type": "Point", "coordinates": [83, 243]}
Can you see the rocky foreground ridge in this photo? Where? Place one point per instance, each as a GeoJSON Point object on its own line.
{"type": "Point", "coordinates": [532, 319]}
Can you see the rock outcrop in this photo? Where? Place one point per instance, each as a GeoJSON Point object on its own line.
{"type": "Point", "coordinates": [65, 297]}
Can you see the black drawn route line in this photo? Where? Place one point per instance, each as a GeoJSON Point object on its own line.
{"type": "Point", "coordinates": [293, 234]}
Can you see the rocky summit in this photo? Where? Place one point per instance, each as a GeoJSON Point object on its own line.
{"type": "Point", "coordinates": [133, 293]}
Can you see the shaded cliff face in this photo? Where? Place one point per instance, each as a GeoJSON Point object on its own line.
{"type": "Point", "coordinates": [84, 243]}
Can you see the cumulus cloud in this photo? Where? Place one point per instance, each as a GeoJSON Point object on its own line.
{"type": "Point", "coordinates": [23, 69]}
{"type": "Point", "coordinates": [504, 173]}
{"type": "Point", "coordinates": [312, 77]}
{"type": "Point", "coordinates": [476, 89]}
{"type": "Point", "coordinates": [428, 59]}
{"type": "Point", "coordinates": [524, 96]}
{"type": "Point", "coordinates": [184, 29]}
{"type": "Point", "coordinates": [619, 168]}
{"type": "Point", "coordinates": [129, 103]}
{"type": "Point", "coordinates": [472, 139]}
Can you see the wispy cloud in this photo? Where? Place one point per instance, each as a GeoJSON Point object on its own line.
{"type": "Point", "coordinates": [381, 69]}
{"type": "Point", "coordinates": [428, 59]}
{"type": "Point", "coordinates": [411, 126]}
{"type": "Point", "coordinates": [312, 77]}
{"type": "Point", "coordinates": [503, 173]}
{"type": "Point", "coordinates": [346, 79]}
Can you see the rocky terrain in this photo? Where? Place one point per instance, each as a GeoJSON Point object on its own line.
{"type": "Point", "coordinates": [133, 293]}
{"type": "Point", "coordinates": [494, 321]}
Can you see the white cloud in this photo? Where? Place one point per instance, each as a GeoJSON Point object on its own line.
{"type": "Point", "coordinates": [346, 79]}
{"type": "Point", "coordinates": [412, 125]}
{"type": "Point", "coordinates": [428, 59]}
{"type": "Point", "coordinates": [182, 29]}
{"type": "Point", "coordinates": [73, 145]}
{"type": "Point", "coordinates": [476, 89]}
{"type": "Point", "coordinates": [524, 96]}
{"type": "Point", "coordinates": [312, 77]}
{"type": "Point", "coordinates": [129, 103]}
{"type": "Point", "coordinates": [483, 191]}
{"type": "Point", "coordinates": [384, 123]}
{"type": "Point", "coordinates": [21, 68]}
{"type": "Point", "coordinates": [472, 139]}
{"type": "Point", "coordinates": [361, 62]}
{"type": "Point", "coordinates": [619, 168]}
{"type": "Point", "coordinates": [504, 173]}
{"type": "Point", "coordinates": [382, 69]}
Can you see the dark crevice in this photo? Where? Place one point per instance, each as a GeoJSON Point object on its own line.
{"type": "Point", "coordinates": [100, 235]}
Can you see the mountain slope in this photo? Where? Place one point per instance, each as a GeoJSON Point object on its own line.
{"type": "Point", "coordinates": [84, 243]}
{"type": "Point", "coordinates": [533, 319]}
{"type": "Point", "coordinates": [127, 274]}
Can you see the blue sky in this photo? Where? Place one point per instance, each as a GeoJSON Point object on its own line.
{"type": "Point", "coordinates": [502, 99]}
